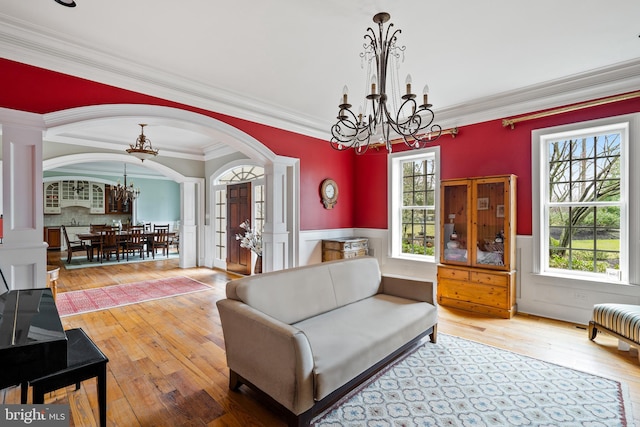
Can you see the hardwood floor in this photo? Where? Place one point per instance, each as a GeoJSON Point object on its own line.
{"type": "Point", "coordinates": [167, 363]}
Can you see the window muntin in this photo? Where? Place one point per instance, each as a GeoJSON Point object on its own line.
{"type": "Point", "coordinates": [583, 206]}
{"type": "Point", "coordinates": [414, 196]}
{"type": "Point", "coordinates": [241, 174]}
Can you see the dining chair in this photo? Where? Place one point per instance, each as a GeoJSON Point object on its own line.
{"type": "Point", "coordinates": [109, 244]}
{"type": "Point", "coordinates": [135, 241]}
{"type": "Point", "coordinates": [73, 245]}
{"type": "Point", "coordinates": [94, 245]}
{"type": "Point", "coordinates": [175, 240]}
{"type": "Point", "coordinates": [160, 240]}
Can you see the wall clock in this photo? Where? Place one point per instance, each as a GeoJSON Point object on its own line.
{"type": "Point", "coordinates": [329, 193]}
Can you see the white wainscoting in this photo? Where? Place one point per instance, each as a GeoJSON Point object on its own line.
{"type": "Point", "coordinates": [562, 298]}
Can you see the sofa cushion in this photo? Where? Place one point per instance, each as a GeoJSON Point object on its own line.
{"type": "Point", "coordinates": [348, 340]}
{"type": "Point", "coordinates": [355, 279]}
{"type": "Point", "coordinates": [300, 293]}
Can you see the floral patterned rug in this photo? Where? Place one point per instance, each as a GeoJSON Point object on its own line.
{"type": "Point", "coordinates": [457, 382]}
{"type": "Point", "coordinates": [77, 302]}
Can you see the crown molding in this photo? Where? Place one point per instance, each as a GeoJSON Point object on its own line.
{"type": "Point", "coordinates": [606, 81]}
{"type": "Point", "coordinates": [24, 42]}
{"type": "Point", "coordinates": [30, 44]}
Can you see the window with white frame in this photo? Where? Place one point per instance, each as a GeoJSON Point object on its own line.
{"type": "Point", "coordinates": [582, 202]}
{"type": "Point", "coordinates": [414, 194]}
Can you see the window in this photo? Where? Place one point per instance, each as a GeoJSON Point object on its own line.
{"type": "Point", "coordinates": [414, 191]}
{"type": "Point", "coordinates": [581, 218]}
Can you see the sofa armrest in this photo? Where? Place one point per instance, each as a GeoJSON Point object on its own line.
{"type": "Point", "coordinates": [272, 355]}
{"type": "Point", "coordinates": [405, 287]}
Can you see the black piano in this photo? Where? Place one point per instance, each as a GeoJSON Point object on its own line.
{"type": "Point", "coordinates": [32, 341]}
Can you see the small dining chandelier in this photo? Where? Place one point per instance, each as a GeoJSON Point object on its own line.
{"type": "Point", "coordinates": [142, 149]}
{"type": "Point", "coordinates": [411, 122]}
{"type": "Point", "coordinates": [125, 193]}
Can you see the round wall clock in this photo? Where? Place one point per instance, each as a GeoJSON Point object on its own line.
{"type": "Point", "coordinates": [329, 193]}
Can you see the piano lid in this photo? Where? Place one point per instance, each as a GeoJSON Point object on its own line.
{"type": "Point", "coordinates": [28, 316]}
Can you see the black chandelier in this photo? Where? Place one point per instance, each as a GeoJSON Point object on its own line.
{"type": "Point", "coordinates": [411, 122]}
{"type": "Point", "coordinates": [125, 193]}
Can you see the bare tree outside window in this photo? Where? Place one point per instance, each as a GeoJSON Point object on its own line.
{"type": "Point", "coordinates": [418, 207]}
{"type": "Point", "coordinates": [584, 203]}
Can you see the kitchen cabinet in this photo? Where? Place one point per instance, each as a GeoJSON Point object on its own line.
{"type": "Point", "coordinates": [53, 237]}
{"type": "Point", "coordinates": [114, 206]}
{"type": "Point", "coordinates": [75, 193]}
{"type": "Point", "coordinates": [97, 198]}
{"type": "Point", "coordinates": [52, 198]}
{"type": "Point", "coordinates": [62, 194]}
{"type": "Point", "coordinates": [477, 246]}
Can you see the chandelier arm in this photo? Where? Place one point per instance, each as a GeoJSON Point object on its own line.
{"type": "Point", "coordinates": [346, 132]}
{"type": "Point", "coordinates": [411, 127]}
{"type": "Point", "coordinates": [372, 39]}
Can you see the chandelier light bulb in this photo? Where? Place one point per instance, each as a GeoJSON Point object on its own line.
{"type": "Point", "coordinates": [345, 93]}
{"type": "Point", "coordinates": [408, 83]}
{"type": "Point", "coordinates": [425, 95]}
{"type": "Point", "coordinates": [373, 84]}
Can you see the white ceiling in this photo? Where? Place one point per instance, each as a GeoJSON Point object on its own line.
{"type": "Point", "coordinates": [284, 62]}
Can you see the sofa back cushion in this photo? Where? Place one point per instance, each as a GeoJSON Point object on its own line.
{"type": "Point", "coordinates": [299, 293]}
{"type": "Point", "coordinates": [355, 279]}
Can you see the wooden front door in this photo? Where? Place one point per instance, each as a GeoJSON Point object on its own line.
{"type": "Point", "coordinates": [238, 211]}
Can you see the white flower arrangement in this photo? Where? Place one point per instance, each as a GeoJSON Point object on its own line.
{"type": "Point", "coordinates": [252, 239]}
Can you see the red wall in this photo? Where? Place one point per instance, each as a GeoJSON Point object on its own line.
{"type": "Point", "coordinates": [27, 88]}
{"type": "Point", "coordinates": [480, 149]}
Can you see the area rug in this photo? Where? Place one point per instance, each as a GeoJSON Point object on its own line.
{"type": "Point", "coordinates": [77, 302]}
{"type": "Point", "coordinates": [457, 382]}
{"type": "Point", "coordinates": [83, 262]}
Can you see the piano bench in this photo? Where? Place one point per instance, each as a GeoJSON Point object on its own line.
{"type": "Point", "coordinates": [84, 361]}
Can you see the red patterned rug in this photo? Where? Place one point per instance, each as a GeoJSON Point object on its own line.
{"type": "Point", "coordinates": [76, 302]}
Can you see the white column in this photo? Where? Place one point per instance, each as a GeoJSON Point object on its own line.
{"type": "Point", "coordinates": [23, 253]}
{"type": "Point", "coordinates": [275, 248]}
{"type": "Point", "coordinates": [188, 226]}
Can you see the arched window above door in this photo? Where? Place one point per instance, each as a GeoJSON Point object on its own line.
{"type": "Point", "coordinates": [241, 174]}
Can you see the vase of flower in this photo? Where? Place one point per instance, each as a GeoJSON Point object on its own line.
{"type": "Point", "coordinates": [257, 269]}
{"type": "Point", "coordinates": [252, 240]}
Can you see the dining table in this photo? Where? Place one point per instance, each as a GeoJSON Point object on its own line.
{"type": "Point", "coordinates": [96, 236]}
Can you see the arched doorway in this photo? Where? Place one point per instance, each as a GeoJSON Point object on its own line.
{"type": "Point", "coordinates": [24, 253]}
{"type": "Point", "coordinates": [281, 174]}
{"type": "Point", "coordinates": [226, 219]}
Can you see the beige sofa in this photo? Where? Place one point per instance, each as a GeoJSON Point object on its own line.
{"type": "Point", "coordinates": [305, 336]}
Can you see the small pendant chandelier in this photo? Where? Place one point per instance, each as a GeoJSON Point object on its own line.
{"type": "Point", "coordinates": [411, 122]}
{"type": "Point", "coordinates": [142, 149]}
